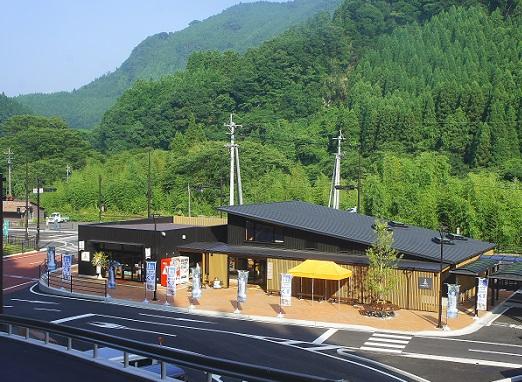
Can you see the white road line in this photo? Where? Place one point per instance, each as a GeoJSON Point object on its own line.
{"type": "Point", "coordinates": [175, 318]}
{"type": "Point", "coordinates": [291, 342]}
{"type": "Point", "coordinates": [325, 347]}
{"type": "Point", "coordinates": [469, 361]}
{"type": "Point", "coordinates": [72, 318]}
{"type": "Point", "coordinates": [392, 336]}
{"type": "Point", "coordinates": [385, 345]}
{"type": "Point", "coordinates": [48, 309]}
{"type": "Point", "coordinates": [19, 285]}
{"type": "Point", "coordinates": [497, 315]}
{"type": "Point", "coordinates": [381, 350]}
{"type": "Point", "coordinates": [495, 352]}
{"type": "Point", "coordinates": [35, 301]}
{"type": "Point", "coordinates": [472, 341]}
{"type": "Point", "coordinates": [8, 306]}
{"type": "Point", "coordinates": [392, 341]}
{"type": "Point", "coordinates": [323, 337]}
{"type": "Point", "coordinates": [21, 277]}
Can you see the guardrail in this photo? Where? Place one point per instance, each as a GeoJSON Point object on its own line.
{"type": "Point", "coordinates": [207, 364]}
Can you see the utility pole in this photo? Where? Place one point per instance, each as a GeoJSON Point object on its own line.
{"type": "Point", "coordinates": [189, 197]}
{"type": "Point", "coordinates": [100, 198]}
{"type": "Point", "coordinates": [68, 172]}
{"type": "Point", "coordinates": [2, 244]}
{"type": "Point", "coordinates": [359, 185]}
{"type": "Point", "coordinates": [234, 162]}
{"type": "Point", "coordinates": [37, 212]}
{"type": "Point", "coordinates": [9, 155]}
{"type": "Point", "coordinates": [336, 176]}
{"type": "Point", "coordinates": [149, 190]}
{"type": "Point", "coordinates": [26, 201]}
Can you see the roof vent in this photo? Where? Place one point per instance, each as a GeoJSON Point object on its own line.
{"type": "Point", "coordinates": [455, 236]}
{"type": "Point", "coordinates": [393, 223]}
{"type": "Point", "coordinates": [445, 240]}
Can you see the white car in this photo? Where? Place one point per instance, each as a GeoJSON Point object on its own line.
{"type": "Point", "coordinates": [57, 217]}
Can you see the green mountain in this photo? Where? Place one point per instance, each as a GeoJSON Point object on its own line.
{"type": "Point", "coordinates": [9, 107]}
{"type": "Point", "coordinates": [237, 28]}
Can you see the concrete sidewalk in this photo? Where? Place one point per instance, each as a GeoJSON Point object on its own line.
{"type": "Point", "coordinates": [263, 307]}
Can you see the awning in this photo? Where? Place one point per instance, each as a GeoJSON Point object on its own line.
{"type": "Point", "coordinates": [475, 268]}
{"type": "Point", "coordinates": [512, 272]}
{"type": "Point", "coordinates": [317, 269]}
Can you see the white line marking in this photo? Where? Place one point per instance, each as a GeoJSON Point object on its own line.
{"type": "Point", "coordinates": [35, 301]}
{"type": "Point", "coordinates": [323, 337]}
{"type": "Point", "coordinates": [495, 352]}
{"type": "Point", "coordinates": [471, 341]}
{"type": "Point", "coordinates": [470, 361]}
{"type": "Point", "coordinates": [392, 336]}
{"type": "Point", "coordinates": [497, 315]}
{"type": "Point", "coordinates": [72, 318]}
{"type": "Point", "coordinates": [48, 309]}
{"type": "Point", "coordinates": [369, 343]}
{"type": "Point", "coordinates": [381, 350]}
{"type": "Point", "coordinates": [21, 277]}
{"type": "Point", "coordinates": [291, 342]}
{"type": "Point", "coordinates": [8, 306]}
{"type": "Point", "coordinates": [373, 338]}
{"type": "Point", "coordinates": [19, 285]}
{"type": "Point", "coordinates": [325, 347]}
{"type": "Point", "coordinates": [176, 318]}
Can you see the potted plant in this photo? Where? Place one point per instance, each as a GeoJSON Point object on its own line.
{"type": "Point", "coordinates": [100, 260]}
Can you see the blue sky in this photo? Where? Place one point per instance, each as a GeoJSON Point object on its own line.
{"type": "Point", "coordinates": [53, 45]}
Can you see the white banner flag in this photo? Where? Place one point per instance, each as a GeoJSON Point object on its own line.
{"type": "Point", "coordinates": [482, 294]}
{"type": "Point", "coordinates": [150, 276]}
{"type": "Point", "coordinates": [196, 283]}
{"type": "Point", "coordinates": [453, 296]}
{"type": "Point", "coordinates": [286, 289]}
{"type": "Point", "coordinates": [171, 280]}
{"type": "Point", "coordinates": [66, 266]}
{"type": "Point", "coordinates": [242, 278]}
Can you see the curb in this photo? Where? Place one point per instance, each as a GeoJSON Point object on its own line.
{"type": "Point", "coordinates": [475, 326]}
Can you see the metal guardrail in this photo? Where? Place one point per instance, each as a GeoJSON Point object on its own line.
{"type": "Point", "coordinates": [207, 364]}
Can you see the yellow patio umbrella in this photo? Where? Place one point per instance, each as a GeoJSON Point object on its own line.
{"type": "Point", "coordinates": [320, 269]}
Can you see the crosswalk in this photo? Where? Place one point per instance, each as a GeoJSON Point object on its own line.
{"type": "Point", "coordinates": [386, 343]}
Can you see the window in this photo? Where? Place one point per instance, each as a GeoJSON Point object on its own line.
{"type": "Point", "coordinates": [263, 233]}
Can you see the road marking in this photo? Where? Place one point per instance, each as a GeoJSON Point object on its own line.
{"type": "Point", "coordinates": [506, 325]}
{"type": "Point", "coordinates": [381, 350]}
{"type": "Point", "coordinates": [176, 318]}
{"type": "Point", "coordinates": [469, 361]}
{"type": "Point", "coordinates": [472, 341]}
{"type": "Point", "coordinates": [497, 315]}
{"type": "Point", "coordinates": [8, 306]}
{"type": "Point", "coordinates": [495, 352]}
{"type": "Point", "coordinates": [325, 347]}
{"type": "Point", "coordinates": [19, 285]}
{"type": "Point", "coordinates": [34, 301]}
{"type": "Point", "coordinates": [21, 277]}
{"type": "Point", "coordinates": [108, 325]}
{"type": "Point", "coordinates": [385, 345]}
{"type": "Point", "coordinates": [323, 337]}
{"type": "Point", "coordinates": [385, 335]}
{"type": "Point", "coordinates": [72, 318]}
{"type": "Point", "coordinates": [48, 309]}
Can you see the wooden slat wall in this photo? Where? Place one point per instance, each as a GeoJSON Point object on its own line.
{"type": "Point", "coordinates": [218, 267]}
{"type": "Point", "coordinates": [199, 220]}
{"type": "Point", "coordinates": [407, 294]}
{"type": "Point", "coordinates": [467, 287]}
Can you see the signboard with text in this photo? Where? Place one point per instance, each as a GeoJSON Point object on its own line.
{"type": "Point", "coordinates": [286, 289]}
{"type": "Point", "coordinates": [150, 276]}
{"type": "Point", "coordinates": [453, 297]}
{"type": "Point", "coordinates": [66, 266]}
{"type": "Point", "coordinates": [425, 282]}
{"type": "Point", "coordinates": [171, 280]}
{"type": "Point", "coordinates": [482, 294]}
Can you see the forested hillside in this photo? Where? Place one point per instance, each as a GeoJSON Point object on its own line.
{"type": "Point", "coordinates": [430, 101]}
{"type": "Point", "coordinates": [9, 107]}
{"type": "Point", "coordinates": [237, 28]}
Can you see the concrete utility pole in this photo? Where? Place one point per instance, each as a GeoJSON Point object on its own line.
{"type": "Point", "coordinates": [336, 177]}
{"type": "Point", "coordinates": [68, 172]}
{"type": "Point", "coordinates": [149, 189]}
{"type": "Point", "coordinates": [26, 201]}
{"type": "Point", "coordinates": [38, 212]}
{"type": "Point", "coordinates": [9, 155]}
{"type": "Point", "coordinates": [2, 244]}
{"type": "Point", "coordinates": [234, 163]}
{"type": "Point", "coordinates": [100, 205]}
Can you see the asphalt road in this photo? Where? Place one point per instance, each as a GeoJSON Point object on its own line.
{"type": "Point", "coordinates": [492, 353]}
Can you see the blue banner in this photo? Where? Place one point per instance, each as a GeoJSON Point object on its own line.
{"type": "Point", "coordinates": [150, 276]}
{"type": "Point", "coordinates": [66, 266]}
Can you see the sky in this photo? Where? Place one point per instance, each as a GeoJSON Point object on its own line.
{"type": "Point", "coordinates": [54, 45]}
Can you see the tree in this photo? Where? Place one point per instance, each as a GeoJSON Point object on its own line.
{"type": "Point", "coordinates": [381, 278]}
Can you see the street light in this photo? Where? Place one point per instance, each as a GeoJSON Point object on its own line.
{"type": "Point", "coordinates": [442, 232]}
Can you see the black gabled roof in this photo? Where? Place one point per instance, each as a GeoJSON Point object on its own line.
{"type": "Point", "coordinates": [274, 252]}
{"type": "Point", "coordinates": [476, 267]}
{"type": "Point", "coordinates": [411, 240]}
{"type": "Point", "coordinates": [511, 272]}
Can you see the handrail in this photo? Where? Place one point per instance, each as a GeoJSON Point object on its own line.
{"type": "Point", "coordinates": [185, 358]}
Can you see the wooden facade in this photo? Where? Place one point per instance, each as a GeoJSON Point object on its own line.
{"type": "Point", "coordinates": [406, 295]}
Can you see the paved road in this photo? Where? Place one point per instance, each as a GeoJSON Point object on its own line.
{"type": "Point", "coordinates": [50, 365]}
{"type": "Point", "coordinates": [492, 353]}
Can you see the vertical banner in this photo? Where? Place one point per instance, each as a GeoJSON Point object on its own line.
{"type": "Point", "coordinates": [482, 294]}
{"type": "Point", "coordinates": [150, 276]}
{"type": "Point", "coordinates": [6, 228]}
{"type": "Point", "coordinates": [242, 278]}
{"type": "Point", "coordinates": [66, 266]}
{"type": "Point", "coordinates": [453, 297]}
{"type": "Point", "coordinates": [196, 283]}
{"type": "Point", "coordinates": [111, 282]}
{"type": "Point", "coordinates": [51, 264]}
{"type": "Point", "coordinates": [171, 280]}
{"type": "Point", "coordinates": [286, 289]}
